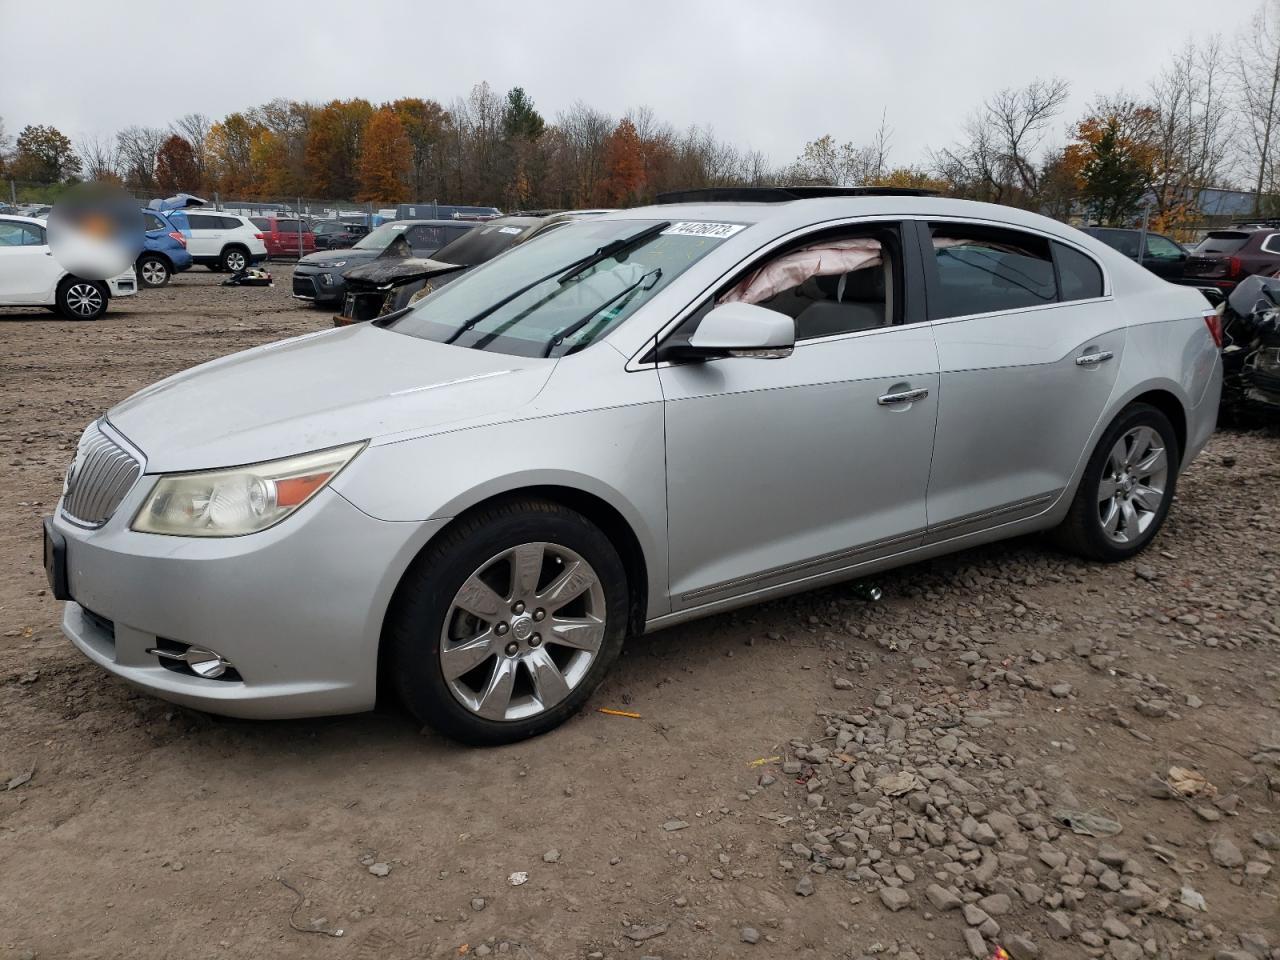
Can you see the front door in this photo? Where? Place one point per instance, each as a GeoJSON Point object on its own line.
{"type": "Point", "coordinates": [28, 270]}
{"type": "Point", "coordinates": [782, 470]}
{"type": "Point", "coordinates": [1028, 352]}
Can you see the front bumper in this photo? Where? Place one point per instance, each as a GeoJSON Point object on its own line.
{"type": "Point", "coordinates": [297, 608]}
{"type": "Point", "coordinates": [308, 285]}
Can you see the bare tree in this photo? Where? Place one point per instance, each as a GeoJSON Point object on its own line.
{"type": "Point", "coordinates": [1256, 66]}
{"type": "Point", "coordinates": [997, 159]}
{"type": "Point", "coordinates": [194, 128]}
{"type": "Point", "coordinates": [136, 148]}
{"type": "Point", "coordinates": [99, 156]}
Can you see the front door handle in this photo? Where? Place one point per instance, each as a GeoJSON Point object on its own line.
{"type": "Point", "coordinates": [907, 396]}
{"type": "Point", "coordinates": [1093, 359]}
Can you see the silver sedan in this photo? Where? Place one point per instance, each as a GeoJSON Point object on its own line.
{"type": "Point", "coordinates": [629, 422]}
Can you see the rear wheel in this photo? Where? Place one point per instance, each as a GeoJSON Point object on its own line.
{"type": "Point", "coordinates": [82, 299]}
{"type": "Point", "coordinates": [1127, 487]}
{"type": "Point", "coordinates": [503, 629]}
{"type": "Point", "coordinates": [153, 271]}
{"type": "Point", "coordinates": [234, 259]}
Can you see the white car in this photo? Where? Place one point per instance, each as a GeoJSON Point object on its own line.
{"type": "Point", "coordinates": [30, 275]}
{"type": "Point", "coordinates": [224, 241]}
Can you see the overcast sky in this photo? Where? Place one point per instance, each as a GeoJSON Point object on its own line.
{"type": "Point", "coordinates": [767, 75]}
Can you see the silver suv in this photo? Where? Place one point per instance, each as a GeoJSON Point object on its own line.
{"type": "Point", "coordinates": [630, 422]}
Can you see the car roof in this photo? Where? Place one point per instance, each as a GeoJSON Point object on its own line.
{"type": "Point", "coordinates": [438, 223]}
{"type": "Point", "coordinates": [21, 219]}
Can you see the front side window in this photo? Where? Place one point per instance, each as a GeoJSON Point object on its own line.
{"type": "Point", "coordinates": [1162, 248]}
{"type": "Point", "coordinates": [563, 293]}
{"type": "Point", "coordinates": [984, 270]}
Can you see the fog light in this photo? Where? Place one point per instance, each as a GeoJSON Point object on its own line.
{"type": "Point", "coordinates": [202, 662]}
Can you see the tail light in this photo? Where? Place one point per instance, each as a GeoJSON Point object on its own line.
{"type": "Point", "coordinates": [258, 236]}
{"type": "Point", "coordinates": [179, 237]}
{"type": "Point", "coordinates": [1234, 268]}
{"type": "Point", "coordinates": [1213, 321]}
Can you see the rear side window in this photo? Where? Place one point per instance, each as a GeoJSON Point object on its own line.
{"type": "Point", "coordinates": [983, 270]}
{"type": "Point", "coordinates": [262, 223]}
{"type": "Point", "coordinates": [202, 221]}
{"type": "Point", "coordinates": [1121, 240]}
{"type": "Point", "coordinates": [231, 223]}
{"type": "Point", "coordinates": [1272, 243]}
{"type": "Point", "coordinates": [152, 222]}
{"type": "Point", "coordinates": [1080, 277]}
{"type": "Point", "coordinates": [1221, 242]}
{"type": "Point", "coordinates": [15, 234]}
{"type": "Point", "coordinates": [291, 226]}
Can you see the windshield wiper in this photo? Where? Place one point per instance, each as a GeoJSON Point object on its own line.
{"type": "Point", "coordinates": [603, 253]}
{"type": "Point", "coordinates": [646, 282]}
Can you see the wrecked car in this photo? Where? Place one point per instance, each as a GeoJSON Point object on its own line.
{"type": "Point", "coordinates": [1250, 321]}
{"type": "Point", "coordinates": [397, 278]}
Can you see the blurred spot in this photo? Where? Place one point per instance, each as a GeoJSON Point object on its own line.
{"type": "Point", "coordinates": [96, 231]}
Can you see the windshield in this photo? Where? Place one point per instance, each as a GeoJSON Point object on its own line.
{"type": "Point", "coordinates": [380, 238]}
{"type": "Point", "coordinates": [562, 291]}
{"type": "Point", "coordinates": [481, 243]}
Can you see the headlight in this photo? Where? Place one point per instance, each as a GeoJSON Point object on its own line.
{"type": "Point", "coordinates": [335, 264]}
{"type": "Point", "coordinates": [231, 503]}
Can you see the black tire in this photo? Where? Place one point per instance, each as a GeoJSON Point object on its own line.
{"type": "Point", "coordinates": [1082, 531]}
{"type": "Point", "coordinates": [153, 271]}
{"type": "Point", "coordinates": [82, 299]}
{"type": "Point", "coordinates": [233, 259]}
{"type": "Point", "coordinates": [416, 621]}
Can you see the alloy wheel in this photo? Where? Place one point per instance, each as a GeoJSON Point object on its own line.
{"type": "Point", "coordinates": [153, 272]}
{"type": "Point", "coordinates": [84, 299]}
{"type": "Point", "coordinates": [235, 261]}
{"type": "Point", "coordinates": [522, 632]}
{"type": "Point", "coordinates": [1133, 485]}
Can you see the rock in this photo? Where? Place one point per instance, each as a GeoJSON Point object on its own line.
{"type": "Point", "coordinates": [1115, 929]}
{"type": "Point", "coordinates": [1267, 839]}
{"type": "Point", "coordinates": [1191, 898]}
{"type": "Point", "coordinates": [645, 931]}
{"type": "Point", "coordinates": [379, 869]}
{"type": "Point", "coordinates": [1224, 852]}
{"type": "Point", "coordinates": [1124, 950]}
{"type": "Point", "coordinates": [1002, 823]}
{"type": "Point", "coordinates": [996, 905]}
{"type": "Point", "coordinates": [840, 683]}
{"type": "Point", "coordinates": [1143, 572]}
{"type": "Point", "coordinates": [974, 916]}
{"type": "Point", "coordinates": [941, 897]}
{"type": "Point", "coordinates": [895, 898]}
{"type": "Point", "coordinates": [977, 946]}
{"type": "Point", "coordinates": [477, 904]}
{"type": "Point", "coordinates": [984, 835]}
{"type": "Point", "coordinates": [1059, 924]}
{"type": "Point", "coordinates": [1256, 944]}
{"type": "Point", "coordinates": [671, 826]}
{"type": "Point", "coordinates": [750, 935]}
{"type": "Point", "coordinates": [1061, 690]}
{"type": "Point", "coordinates": [1022, 948]}
{"type": "Point", "coordinates": [551, 856]}
{"type": "Point", "coordinates": [804, 886]}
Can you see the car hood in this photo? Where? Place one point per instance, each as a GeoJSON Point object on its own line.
{"type": "Point", "coordinates": [318, 391]}
{"type": "Point", "coordinates": [384, 271]}
{"type": "Point", "coordinates": [350, 255]}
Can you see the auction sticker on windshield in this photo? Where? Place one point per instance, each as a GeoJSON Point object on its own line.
{"type": "Point", "coordinates": [715, 231]}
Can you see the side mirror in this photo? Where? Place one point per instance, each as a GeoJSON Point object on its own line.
{"type": "Point", "coordinates": [738, 330]}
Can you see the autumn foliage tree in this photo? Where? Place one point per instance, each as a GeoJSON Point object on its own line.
{"type": "Point", "coordinates": [385, 158]}
{"type": "Point", "coordinates": [176, 167]}
{"type": "Point", "coordinates": [623, 166]}
{"type": "Point", "coordinates": [44, 154]}
{"type": "Point", "coordinates": [334, 141]}
{"type": "Point", "coordinates": [1113, 157]}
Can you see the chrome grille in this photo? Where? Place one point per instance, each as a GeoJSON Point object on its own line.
{"type": "Point", "coordinates": [100, 476]}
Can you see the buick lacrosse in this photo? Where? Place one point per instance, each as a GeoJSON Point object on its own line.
{"type": "Point", "coordinates": [632, 421]}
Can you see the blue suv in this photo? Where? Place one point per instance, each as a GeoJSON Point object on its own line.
{"type": "Point", "coordinates": [165, 251]}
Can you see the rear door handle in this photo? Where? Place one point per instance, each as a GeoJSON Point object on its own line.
{"type": "Point", "coordinates": [907, 396]}
{"type": "Point", "coordinates": [1093, 359]}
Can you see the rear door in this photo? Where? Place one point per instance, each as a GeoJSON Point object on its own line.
{"type": "Point", "coordinates": [1029, 347]}
{"type": "Point", "coordinates": [785, 470]}
{"type": "Point", "coordinates": [29, 273]}
{"type": "Point", "coordinates": [206, 234]}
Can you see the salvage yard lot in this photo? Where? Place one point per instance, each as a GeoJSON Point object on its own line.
{"type": "Point", "coordinates": [921, 755]}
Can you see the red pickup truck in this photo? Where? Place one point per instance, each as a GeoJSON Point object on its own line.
{"type": "Point", "coordinates": [290, 238]}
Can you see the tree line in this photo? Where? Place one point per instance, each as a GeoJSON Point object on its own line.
{"type": "Point", "coordinates": [1210, 119]}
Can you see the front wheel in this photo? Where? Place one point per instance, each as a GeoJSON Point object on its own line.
{"type": "Point", "coordinates": [82, 299]}
{"type": "Point", "coordinates": [1127, 487]}
{"type": "Point", "coordinates": [153, 271]}
{"type": "Point", "coordinates": [503, 628]}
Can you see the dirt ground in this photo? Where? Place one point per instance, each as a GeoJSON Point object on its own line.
{"type": "Point", "coordinates": [924, 757]}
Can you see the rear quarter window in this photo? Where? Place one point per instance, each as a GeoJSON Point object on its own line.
{"type": "Point", "coordinates": [1079, 277]}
